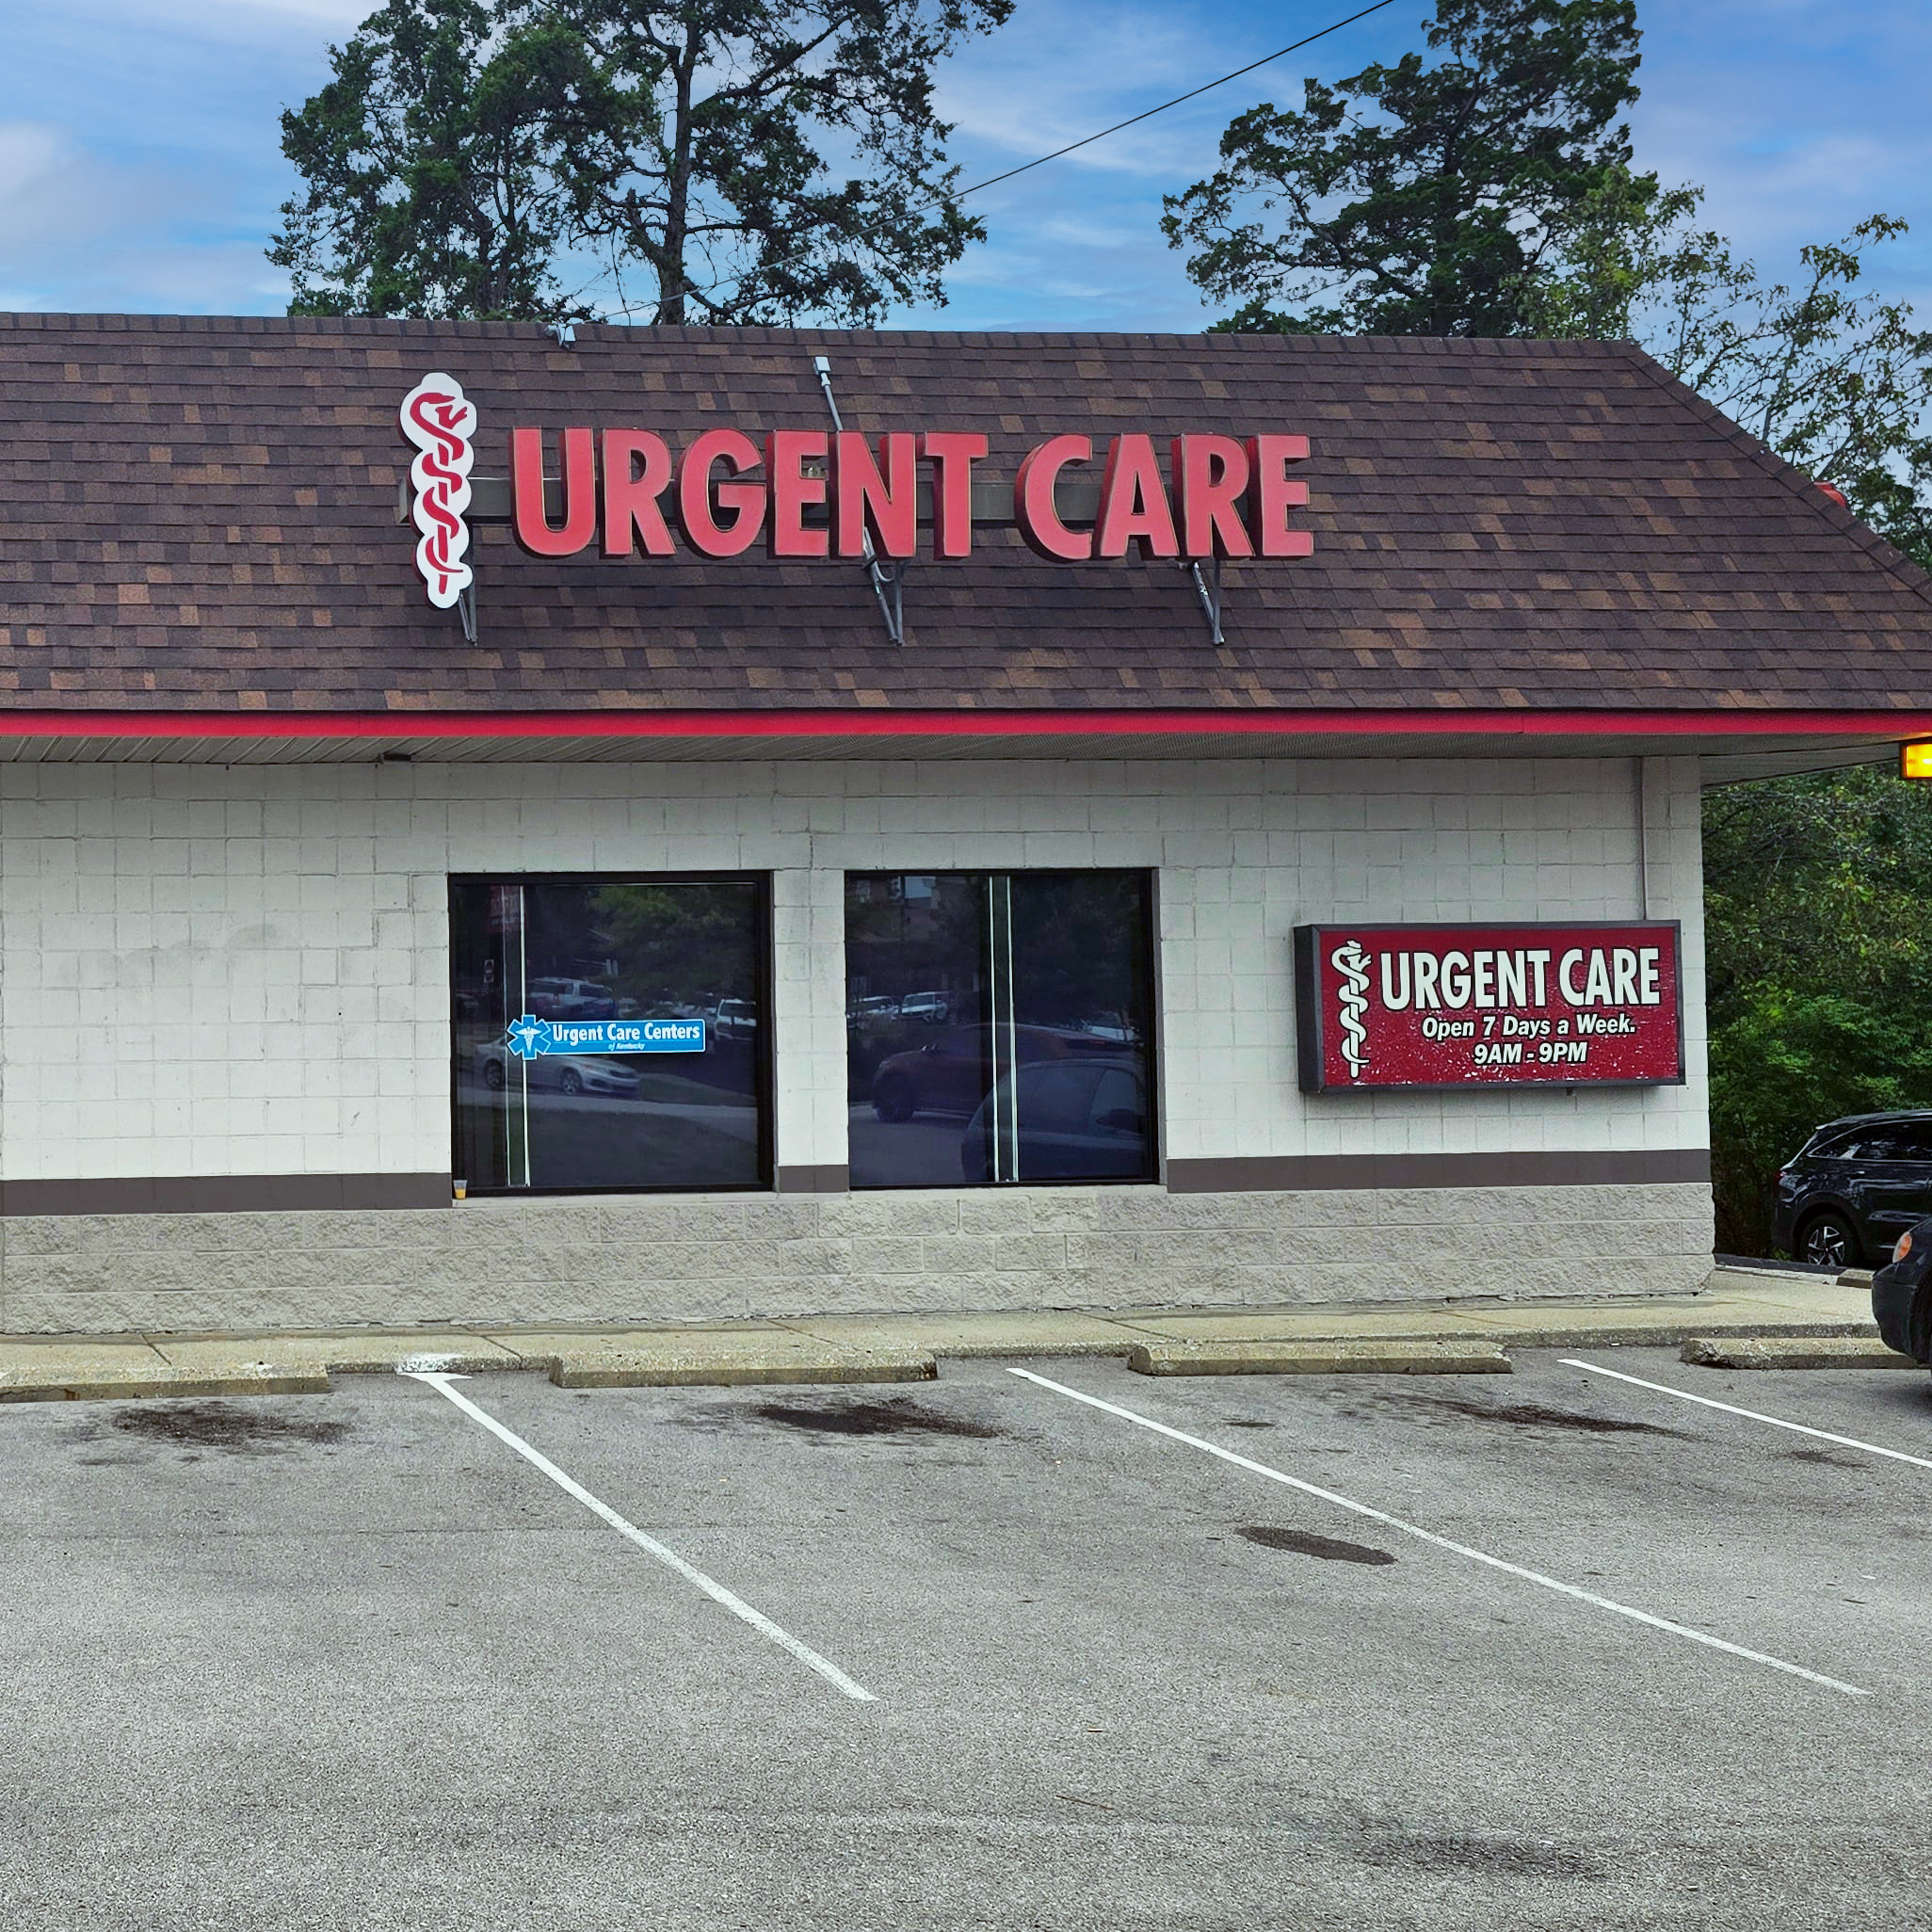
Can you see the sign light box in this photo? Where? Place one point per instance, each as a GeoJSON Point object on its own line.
{"type": "Point", "coordinates": [1379, 1007]}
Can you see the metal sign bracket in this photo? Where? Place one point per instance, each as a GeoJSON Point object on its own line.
{"type": "Point", "coordinates": [886, 576]}
{"type": "Point", "coordinates": [1207, 588]}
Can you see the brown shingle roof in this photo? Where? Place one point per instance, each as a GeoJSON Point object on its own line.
{"type": "Point", "coordinates": [202, 514]}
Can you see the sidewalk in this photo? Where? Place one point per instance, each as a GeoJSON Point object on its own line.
{"type": "Point", "coordinates": [1727, 1325]}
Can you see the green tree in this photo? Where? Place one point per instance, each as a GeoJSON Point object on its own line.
{"type": "Point", "coordinates": [692, 152]}
{"type": "Point", "coordinates": [424, 165]}
{"type": "Point", "coordinates": [1428, 197]}
{"type": "Point", "coordinates": [1829, 373]}
{"type": "Point", "coordinates": [678, 942]}
{"type": "Point", "coordinates": [746, 160]}
{"type": "Point", "coordinates": [1613, 248]}
{"type": "Point", "coordinates": [1818, 940]}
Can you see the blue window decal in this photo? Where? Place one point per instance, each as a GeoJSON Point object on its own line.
{"type": "Point", "coordinates": [529, 1036]}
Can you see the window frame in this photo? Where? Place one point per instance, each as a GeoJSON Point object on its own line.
{"type": "Point", "coordinates": [1150, 929]}
{"type": "Point", "coordinates": [763, 1056]}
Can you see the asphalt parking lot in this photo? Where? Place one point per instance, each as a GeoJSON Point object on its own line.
{"type": "Point", "coordinates": [972, 1653]}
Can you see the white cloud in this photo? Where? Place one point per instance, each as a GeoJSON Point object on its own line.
{"type": "Point", "coordinates": [53, 196]}
{"type": "Point", "coordinates": [83, 231]}
{"type": "Point", "coordinates": [29, 154]}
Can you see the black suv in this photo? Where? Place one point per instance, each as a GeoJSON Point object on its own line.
{"type": "Point", "coordinates": [1847, 1195]}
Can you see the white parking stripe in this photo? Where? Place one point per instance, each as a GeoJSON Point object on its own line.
{"type": "Point", "coordinates": [1777, 1422]}
{"type": "Point", "coordinates": [1409, 1529]}
{"type": "Point", "coordinates": [668, 1557]}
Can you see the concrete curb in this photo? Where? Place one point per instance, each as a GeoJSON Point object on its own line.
{"type": "Point", "coordinates": [689, 1368]}
{"type": "Point", "coordinates": [1735, 1309]}
{"type": "Point", "coordinates": [109, 1383]}
{"type": "Point", "coordinates": [1793, 1352]}
{"type": "Point", "coordinates": [1657, 1334]}
{"type": "Point", "coordinates": [1379, 1358]}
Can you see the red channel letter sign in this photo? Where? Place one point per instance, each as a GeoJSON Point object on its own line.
{"type": "Point", "coordinates": [1487, 1005]}
{"type": "Point", "coordinates": [806, 493]}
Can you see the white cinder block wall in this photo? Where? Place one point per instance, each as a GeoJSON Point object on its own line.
{"type": "Point", "coordinates": [243, 972]}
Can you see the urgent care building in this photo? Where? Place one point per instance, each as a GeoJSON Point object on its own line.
{"type": "Point", "coordinates": [676, 824]}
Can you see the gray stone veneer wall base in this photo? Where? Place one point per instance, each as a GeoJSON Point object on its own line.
{"type": "Point", "coordinates": [670, 1258]}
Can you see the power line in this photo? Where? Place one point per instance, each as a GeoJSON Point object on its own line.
{"type": "Point", "coordinates": [1085, 141]}
{"type": "Point", "coordinates": [1208, 86]}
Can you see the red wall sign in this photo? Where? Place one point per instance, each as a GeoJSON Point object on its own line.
{"type": "Point", "coordinates": [806, 493]}
{"type": "Point", "coordinates": [1487, 1005]}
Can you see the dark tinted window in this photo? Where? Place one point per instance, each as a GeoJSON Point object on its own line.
{"type": "Point", "coordinates": [1895, 1140]}
{"type": "Point", "coordinates": [1117, 1098]}
{"type": "Point", "coordinates": [1041, 971]}
{"type": "Point", "coordinates": [606, 1033]}
{"type": "Point", "coordinates": [1058, 1098]}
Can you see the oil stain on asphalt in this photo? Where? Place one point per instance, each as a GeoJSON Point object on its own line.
{"type": "Point", "coordinates": [235, 1428]}
{"type": "Point", "coordinates": [821, 1421]}
{"type": "Point", "coordinates": [899, 1417]}
{"type": "Point", "coordinates": [1306, 1543]}
{"type": "Point", "coordinates": [1530, 1415]}
{"type": "Point", "coordinates": [1825, 1456]}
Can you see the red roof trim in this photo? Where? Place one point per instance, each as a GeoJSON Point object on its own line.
{"type": "Point", "coordinates": [961, 724]}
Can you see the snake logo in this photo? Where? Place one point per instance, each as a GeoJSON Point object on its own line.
{"type": "Point", "coordinates": [441, 421]}
{"type": "Point", "coordinates": [1351, 962]}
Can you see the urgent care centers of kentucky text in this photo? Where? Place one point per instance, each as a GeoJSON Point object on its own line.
{"type": "Point", "coordinates": [692, 823]}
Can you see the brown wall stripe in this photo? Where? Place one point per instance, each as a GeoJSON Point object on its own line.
{"type": "Point", "coordinates": [224, 1194]}
{"type": "Point", "coordinates": [1288, 1174]}
{"type": "Point", "coordinates": [826, 1179]}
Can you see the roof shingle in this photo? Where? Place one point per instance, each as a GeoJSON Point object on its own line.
{"type": "Point", "coordinates": [199, 514]}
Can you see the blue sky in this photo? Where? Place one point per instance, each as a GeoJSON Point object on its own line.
{"type": "Point", "coordinates": [141, 166]}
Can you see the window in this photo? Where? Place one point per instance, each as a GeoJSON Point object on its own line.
{"type": "Point", "coordinates": [1891, 1140]}
{"type": "Point", "coordinates": [609, 1034]}
{"type": "Point", "coordinates": [999, 1027]}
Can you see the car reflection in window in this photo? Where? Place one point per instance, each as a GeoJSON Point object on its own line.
{"type": "Point", "coordinates": [1062, 1121]}
{"type": "Point", "coordinates": [953, 1073]}
{"type": "Point", "coordinates": [566, 1072]}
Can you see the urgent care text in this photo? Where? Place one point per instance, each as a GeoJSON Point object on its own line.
{"type": "Point", "coordinates": [1603, 976]}
{"type": "Point", "coordinates": [839, 494]}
